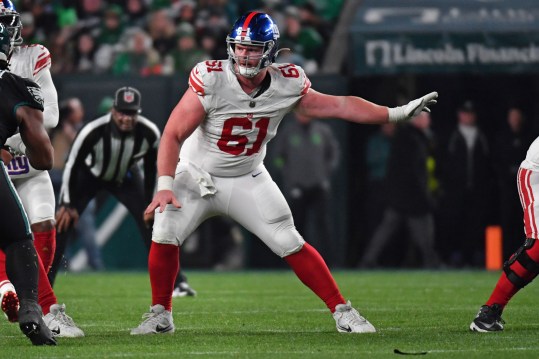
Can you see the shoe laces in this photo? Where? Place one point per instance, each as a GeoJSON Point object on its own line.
{"type": "Point", "coordinates": [352, 316]}
{"type": "Point", "coordinates": [63, 318]}
{"type": "Point", "coordinates": [151, 317]}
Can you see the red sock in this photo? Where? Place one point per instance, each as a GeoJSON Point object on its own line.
{"type": "Point", "coordinates": [163, 266]}
{"type": "Point", "coordinates": [3, 274]}
{"type": "Point", "coordinates": [311, 269]}
{"type": "Point", "coordinates": [45, 294]}
{"type": "Point", "coordinates": [505, 290]}
{"type": "Point", "coordinates": [45, 243]}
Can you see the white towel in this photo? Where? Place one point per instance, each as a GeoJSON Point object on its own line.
{"type": "Point", "coordinates": [203, 179]}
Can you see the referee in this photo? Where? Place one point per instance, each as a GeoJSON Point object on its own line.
{"type": "Point", "coordinates": [106, 155]}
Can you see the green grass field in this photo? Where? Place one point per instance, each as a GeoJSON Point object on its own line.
{"type": "Point", "coordinates": [271, 314]}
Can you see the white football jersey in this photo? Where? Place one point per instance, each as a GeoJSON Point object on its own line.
{"type": "Point", "coordinates": [28, 60]}
{"type": "Point", "coordinates": [231, 141]}
{"type": "Point", "coordinates": [532, 157]}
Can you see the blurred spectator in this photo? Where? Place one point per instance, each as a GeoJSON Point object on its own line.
{"type": "Point", "coordinates": [304, 40]}
{"type": "Point", "coordinates": [108, 38]}
{"type": "Point", "coordinates": [213, 45]}
{"type": "Point", "coordinates": [512, 143]}
{"type": "Point", "coordinates": [41, 17]}
{"type": "Point", "coordinates": [136, 12]}
{"type": "Point", "coordinates": [84, 54]}
{"type": "Point", "coordinates": [467, 184]}
{"type": "Point", "coordinates": [28, 32]}
{"type": "Point", "coordinates": [112, 27]}
{"type": "Point", "coordinates": [61, 52]}
{"type": "Point", "coordinates": [187, 12]}
{"type": "Point", "coordinates": [307, 157]}
{"type": "Point", "coordinates": [90, 13]}
{"type": "Point", "coordinates": [138, 57]}
{"type": "Point", "coordinates": [188, 53]}
{"type": "Point", "coordinates": [162, 31]}
{"type": "Point", "coordinates": [309, 16]}
{"type": "Point", "coordinates": [377, 152]}
{"type": "Point", "coordinates": [409, 199]}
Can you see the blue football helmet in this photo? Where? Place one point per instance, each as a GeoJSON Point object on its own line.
{"type": "Point", "coordinates": [10, 18]}
{"type": "Point", "coordinates": [253, 29]}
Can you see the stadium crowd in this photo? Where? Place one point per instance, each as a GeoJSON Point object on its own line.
{"type": "Point", "coordinates": [161, 37]}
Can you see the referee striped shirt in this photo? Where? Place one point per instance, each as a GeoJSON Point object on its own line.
{"type": "Point", "coordinates": [109, 153]}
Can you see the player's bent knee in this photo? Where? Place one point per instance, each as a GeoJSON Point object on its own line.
{"type": "Point", "coordinates": [287, 241]}
{"type": "Point", "coordinates": [522, 258]}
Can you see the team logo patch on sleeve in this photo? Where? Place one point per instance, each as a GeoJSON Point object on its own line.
{"type": "Point", "coordinates": [36, 94]}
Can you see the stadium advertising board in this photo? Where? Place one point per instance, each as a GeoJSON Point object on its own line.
{"type": "Point", "coordinates": [445, 36]}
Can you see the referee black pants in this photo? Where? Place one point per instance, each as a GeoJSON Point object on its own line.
{"type": "Point", "coordinates": [130, 193]}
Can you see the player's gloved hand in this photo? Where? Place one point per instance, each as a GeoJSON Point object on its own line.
{"type": "Point", "coordinates": [66, 217]}
{"type": "Point", "coordinates": [413, 108]}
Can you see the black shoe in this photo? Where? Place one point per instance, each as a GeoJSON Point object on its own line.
{"type": "Point", "coordinates": [32, 325]}
{"type": "Point", "coordinates": [183, 290]}
{"type": "Point", "coordinates": [489, 319]}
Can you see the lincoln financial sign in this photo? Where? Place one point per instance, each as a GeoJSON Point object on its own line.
{"type": "Point", "coordinates": [430, 53]}
{"type": "Point", "coordinates": [445, 36]}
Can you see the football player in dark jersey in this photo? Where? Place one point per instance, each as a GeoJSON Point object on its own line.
{"type": "Point", "coordinates": [21, 109]}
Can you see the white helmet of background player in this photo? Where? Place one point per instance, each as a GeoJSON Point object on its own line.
{"type": "Point", "coordinates": [10, 18]}
{"type": "Point", "coordinates": [254, 29]}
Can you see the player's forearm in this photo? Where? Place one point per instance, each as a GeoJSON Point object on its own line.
{"type": "Point", "coordinates": [350, 108]}
{"type": "Point", "coordinates": [39, 151]}
{"type": "Point", "coordinates": [359, 110]}
{"type": "Point", "coordinates": [167, 157]}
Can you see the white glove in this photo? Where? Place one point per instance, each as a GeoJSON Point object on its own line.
{"type": "Point", "coordinates": [413, 108]}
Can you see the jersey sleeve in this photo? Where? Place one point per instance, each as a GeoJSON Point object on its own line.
{"type": "Point", "coordinates": [204, 81]}
{"type": "Point", "coordinates": [305, 83]}
{"type": "Point", "coordinates": [292, 79]}
{"type": "Point", "coordinates": [42, 58]}
{"type": "Point", "coordinates": [196, 80]}
{"type": "Point", "coordinates": [31, 94]}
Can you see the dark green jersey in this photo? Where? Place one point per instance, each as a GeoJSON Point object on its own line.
{"type": "Point", "coordinates": [15, 91]}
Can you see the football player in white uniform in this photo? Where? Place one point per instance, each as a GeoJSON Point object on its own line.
{"type": "Point", "coordinates": [523, 266]}
{"type": "Point", "coordinates": [222, 125]}
{"type": "Point", "coordinates": [34, 186]}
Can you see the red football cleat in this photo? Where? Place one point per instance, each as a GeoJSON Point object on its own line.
{"type": "Point", "coordinates": [10, 306]}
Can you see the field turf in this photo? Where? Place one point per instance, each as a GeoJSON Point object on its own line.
{"type": "Point", "coordinates": [272, 315]}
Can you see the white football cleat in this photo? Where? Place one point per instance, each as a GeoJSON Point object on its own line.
{"type": "Point", "coordinates": [156, 321]}
{"type": "Point", "coordinates": [61, 324]}
{"type": "Point", "coordinates": [348, 320]}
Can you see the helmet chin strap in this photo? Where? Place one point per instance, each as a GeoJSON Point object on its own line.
{"type": "Point", "coordinates": [249, 72]}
